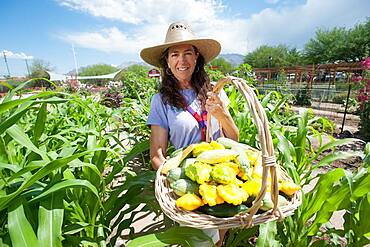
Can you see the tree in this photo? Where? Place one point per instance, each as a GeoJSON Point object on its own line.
{"type": "Point", "coordinates": [139, 70]}
{"type": "Point", "coordinates": [222, 65]}
{"type": "Point", "coordinates": [339, 44]}
{"type": "Point", "coordinates": [359, 42]}
{"type": "Point", "coordinates": [39, 67]}
{"type": "Point", "coordinates": [97, 69]}
{"type": "Point", "coordinates": [327, 46]}
{"type": "Point", "coordinates": [273, 56]}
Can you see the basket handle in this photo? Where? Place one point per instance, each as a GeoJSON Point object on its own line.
{"type": "Point", "coordinates": [265, 139]}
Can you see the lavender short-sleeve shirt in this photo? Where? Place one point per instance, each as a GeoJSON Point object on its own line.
{"type": "Point", "coordinates": [182, 127]}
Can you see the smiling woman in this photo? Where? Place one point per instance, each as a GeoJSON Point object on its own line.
{"type": "Point", "coordinates": [178, 113]}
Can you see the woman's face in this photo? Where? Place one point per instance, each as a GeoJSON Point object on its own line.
{"type": "Point", "coordinates": [182, 60]}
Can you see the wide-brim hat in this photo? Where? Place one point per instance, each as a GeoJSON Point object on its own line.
{"type": "Point", "coordinates": [180, 33]}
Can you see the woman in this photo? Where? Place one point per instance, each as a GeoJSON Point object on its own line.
{"type": "Point", "coordinates": [178, 112]}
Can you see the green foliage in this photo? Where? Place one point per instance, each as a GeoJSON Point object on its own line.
{"type": "Point", "coordinates": [292, 135]}
{"type": "Point", "coordinates": [137, 84]}
{"type": "Point", "coordinates": [245, 72]}
{"type": "Point", "coordinates": [38, 69]}
{"type": "Point", "coordinates": [54, 148]}
{"type": "Point", "coordinates": [339, 44]}
{"type": "Point", "coordinates": [97, 69]}
{"type": "Point", "coordinates": [184, 236]}
{"type": "Point", "coordinates": [303, 97]}
{"type": "Point", "coordinates": [222, 65]}
{"type": "Point", "coordinates": [273, 57]}
{"type": "Point", "coordinates": [141, 71]}
{"type": "Point", "coordinates": [328, 46]}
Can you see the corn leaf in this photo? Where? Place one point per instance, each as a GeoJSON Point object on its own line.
{"type": "Point", "coordinates": [317, 197]}
{"type": "Point", "coordinates": [184, 236]}
{"type": "Point", "coordinates": [11, 120]}
{"type": "Point", "coordinates": [51, 166]}
{"type": "Point", "coordinates": [7, 105]}
{"type": "Point", "coordinates": [18, 134]}
{"type": "Point", "coordinates": [267, 233]}
{"type": "Point", "coordinates": [40, 123]}
{"type": "Point", "coordinates": [50, 221]}
{"type": "Point", "coordinates": [77, 183]}
{"type": "Point", "coordinates": [339, 155]}
{"type": "Point", "coordinates": [20, 229]}
{"type": "Point", "coordinates": [364, 215]}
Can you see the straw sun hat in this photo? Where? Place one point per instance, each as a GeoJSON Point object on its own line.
{"type": "Point", "coordinates": [180, 33]}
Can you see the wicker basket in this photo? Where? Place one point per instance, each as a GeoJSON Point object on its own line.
{"type": "Point", "coordinates": [167, 198]}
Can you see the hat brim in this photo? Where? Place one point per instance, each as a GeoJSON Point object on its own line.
{"type": "Point", "coordinates": [209, 48]}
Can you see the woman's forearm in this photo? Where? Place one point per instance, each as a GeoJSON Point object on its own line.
{"type": "Point", "coordinates": [229, 128]}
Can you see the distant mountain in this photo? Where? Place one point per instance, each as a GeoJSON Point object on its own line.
{"type": "Point", "coordinates": [233, 58]}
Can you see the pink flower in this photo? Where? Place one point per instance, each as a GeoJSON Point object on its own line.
{"type": "Point", "coordinates": [366, 63]}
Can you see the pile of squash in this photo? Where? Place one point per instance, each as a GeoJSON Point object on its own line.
{"type": "Point", "coordinates": [221, 178]}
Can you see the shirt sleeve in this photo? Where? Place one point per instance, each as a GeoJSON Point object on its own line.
{"type": "Point", "coordinates": [157, 113]}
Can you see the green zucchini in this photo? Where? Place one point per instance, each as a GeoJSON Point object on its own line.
{"type": "Point", "coordinates": [223, 210]}
{"type": "Point", "coordinates": [184, 186]}
{"type": "Point", "coordinates": [176, 152]}
{"type": "Point", "coordinates": [175, 174]}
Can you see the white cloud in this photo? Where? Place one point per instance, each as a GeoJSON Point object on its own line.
{"type": "Point", "coordinates": [108, 40]}
{"type": "Point", "coordinates": [295, 26]}
{"type": "Point", "coordinates": [21, 55]}
{"type": "Point", "coordinates": [147, 11]}
{"type": "Point", "coordinates": [291, 25]}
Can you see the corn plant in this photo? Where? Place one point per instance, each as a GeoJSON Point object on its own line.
{"type": "Point", "coordinates": [58, 163]}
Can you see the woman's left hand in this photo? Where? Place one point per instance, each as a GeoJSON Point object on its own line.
{"type": "Point", "coordinates": [215, 106]}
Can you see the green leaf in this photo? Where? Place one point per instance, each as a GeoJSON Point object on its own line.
{"type": "Point", "coordinates": [76, 183]}
{"type": "Point", "coordinates": [75, 228]}
{"type": "Point", "coordinates": [364, 215]}
{"type": "Point", "coordinates": [4, 106]}
{"type": "Point", "coordinates": [40, 123]}
{"type": "Point", "coordinates": [362, 187]}
{"type": "Point", "coordinates": [238, 236]}
{"type": "Point", "coordinates": [51, 166]}
{"type": "Point", "coordinates": [184, 236]}
{"type": "Point", "coordinates": [336, 143]}
{"type": "Point", "coordinates": [267, 233]}
{"type": "Point", "coordinates": [137, 149]}
{"type": "Point", "coordinates": [18, 134]}
{"type": "Point", "coordinates": [330, 158]}
{"type": "Point", "coordinates": [13, 168]}
{"type": "Point", "coordinates": [50, 221]}
{"type": "Point", "coordinates": [28, 168]}
{"type": "Point", "coordinates": [316, 198]}
{"type": "Point", "coordinates": [20, 229]}
{"type": "Point", "coordinates": [11, 120]}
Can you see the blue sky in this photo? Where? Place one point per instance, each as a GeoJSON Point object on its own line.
{"type": "Point", "coordinates": [114, 31]}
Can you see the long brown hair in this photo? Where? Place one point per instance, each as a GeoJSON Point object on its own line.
{"type": "Point", "coordinates": [170, 87]}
